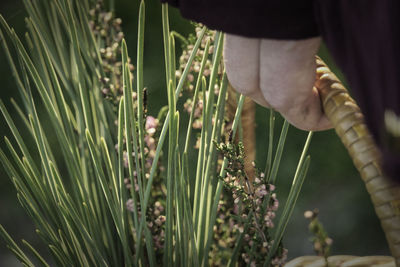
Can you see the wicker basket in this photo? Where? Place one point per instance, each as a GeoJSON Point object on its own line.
{"type": "Point", "coordinates": [342, 261]}
{"type": "Point", "coordinates": [349, 124]}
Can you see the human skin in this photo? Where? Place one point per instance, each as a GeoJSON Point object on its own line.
{"type": "Point", "coordinates": [278, 74]}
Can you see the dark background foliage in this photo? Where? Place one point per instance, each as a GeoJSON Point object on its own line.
{"type": "Point", "coordinates": [333, 184]}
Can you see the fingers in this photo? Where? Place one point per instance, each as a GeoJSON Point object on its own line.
{"type": "Point", "coordinates": [287, 76]}
{"type": "Point", "coordinates": [287, 71]}
{"type": "Point", "coordinates": [278, 74]}
{"type": "Point", "coordinates": [309, 116]}
{"type": "Point", "coordinates": [241, 58]}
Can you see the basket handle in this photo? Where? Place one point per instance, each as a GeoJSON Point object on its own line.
{"type": "Point", "coordinates": [350, 126]}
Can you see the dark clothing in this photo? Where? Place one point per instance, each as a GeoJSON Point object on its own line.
{"type": "Point", "coordinates": [362, 35]}
{"type": "Point", "coordinates": [279, 19]}
{"type": "Point", "coordinates": [364, 39]}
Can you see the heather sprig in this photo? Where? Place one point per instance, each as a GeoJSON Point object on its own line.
{"type": "Point", "coordinates": [248, 198]}
{"type": "Point", "coordinates": [321, 241]}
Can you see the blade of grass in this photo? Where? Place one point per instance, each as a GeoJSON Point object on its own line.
{"type": "Point", "coordinates": [180, 235]}
{"type": "Point", "coordinates": [210, 93]}
{"type": "Point", "coordinates": [116, 197]}
{"type": "Point", "coordinates": [110, 201]}
{"type": "Point", "coordinates": [121, 185]}
{"type": "Point", "coordinates": [199, 83]}
{"type": "Point", "coordinates": [207, 128]}
{"type": "Point", "coordinates": [33, 187]}
{"type": "Point", "coordinates": [168, 253]}
{"type": "Point", "coordinates": [44, 32]}
{"type": "Point", "coordinates": [195, 96]}
{"type": "Point", "coordinates": [149, 243]}
{"type": "Point", "coordinates": [166, 33]}
{"type": "Point", "coordinates": [65, 117]}
{"type": "Point", "coordinates": [15, 248]}
{"type": "Point", "coordinates": [17, 136]}
{"type": "Point", "coordinates": [130, 132]}
{"type": "Point", "coordinates": [189, 217]}
{"type": "Point", "coordinates": [140, 88]}
{"type": "Point", "coordinates": [128, 112]}
{"type": "Point", "coordinates": [82, 77]}
{"type": "Point", "coordinates": [35, 253]}
{"type": "Point", "coordinates": [298, 180]}
{"type": "Point", "coordinates": [200, 164]}
{"type": "Point", "coordinates": [57, 255]}
{"type": "Point", "coordinates": [205, 203]}
{"type": "Point", "coordinates": [278, 154]}
{"type": "Point", "coordinates": [270, 143]}
{"type": "Point", "coordinates": [10, 59]}
{"type": "Point", "coordinates": [38, 135]}
{"type": "Point", "coordinates": [69, 211]}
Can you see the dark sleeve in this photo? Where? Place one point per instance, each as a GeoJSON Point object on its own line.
{"type": "Point", "coordinates": [277, 19]}
{"type": "Point", "coordinates": [364, 39]}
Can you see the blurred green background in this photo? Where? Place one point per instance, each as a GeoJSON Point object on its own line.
{"type": "Point", "coordinates": [333, 184]}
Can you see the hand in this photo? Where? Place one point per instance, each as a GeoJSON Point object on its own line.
{"type": "Point", "coordinates": [278, 74]}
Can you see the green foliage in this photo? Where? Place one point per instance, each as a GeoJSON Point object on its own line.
{"type": "Point", "coordinates": [98, 196]}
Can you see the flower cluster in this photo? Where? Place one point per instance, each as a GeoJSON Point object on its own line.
{"type": "Point", "coordinates": [225, 232]}
{"type": "Point", "coordinates": [155, 222]}
{"type": "Point", "coordinates": [321, 241]}
{"type": "Point", "coordinates": [150, 140]}
{"type": "Point", "coordinates": [156, 225]}
{"type": "Point", "coordinates": [253, 208]}
{"type": "Point", "coordinates": [188, 106]}
{"type": "Point", "coordinates": [187, 49]}
{"type": "Point", "coordinates": [107, 31]}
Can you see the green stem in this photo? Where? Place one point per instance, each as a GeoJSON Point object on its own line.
{"type": "Point", "coordinates": [168, 253]}
{"type": "Point", "coordinates": [140, 89]}
{"type": "Point", "coordinates": [278, 154]}
{"type": "Point", "coordinates": [270, 143]}
{"type": "Point", "coordinates": [298, 180]}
